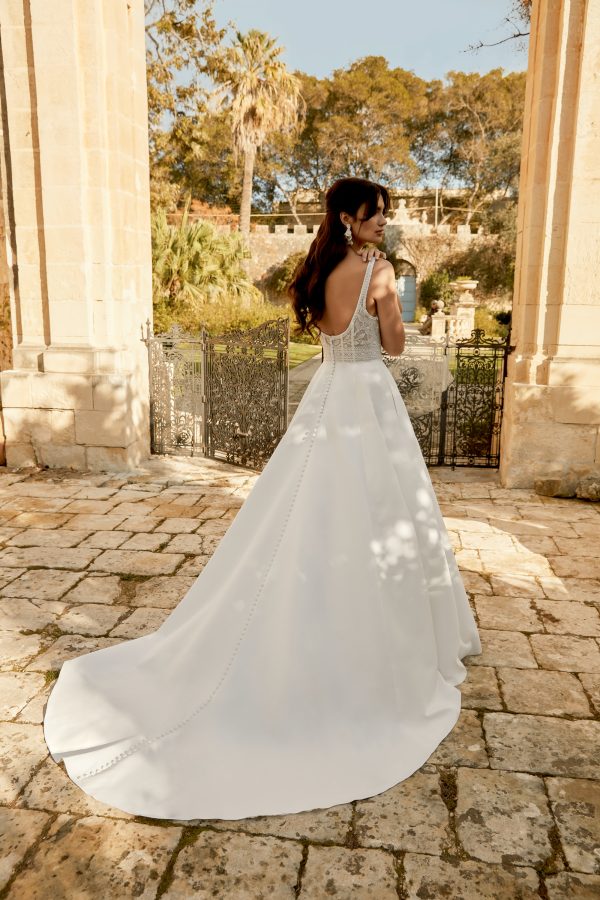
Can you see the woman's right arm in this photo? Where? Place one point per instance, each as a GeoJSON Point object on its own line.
{"type": "Point", "coordinates": [389, 308]}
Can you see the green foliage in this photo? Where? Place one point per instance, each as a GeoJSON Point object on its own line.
{"type": "Point", "coordinates": [486, 319]}
{"type": "Point", "coordinates": [198, 275]}
{"type": "Point", "coordinates": [492, 261]}
{"type": "Point", "coordinates": [279, 278]}
{"type": "Point", "coordinates": [181, 40]}
{"type": "Point", "coordinates": [435, 287]}
{"type": "Point", "coordinates": [262, 96]}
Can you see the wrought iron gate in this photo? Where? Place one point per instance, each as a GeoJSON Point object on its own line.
{"type": "Point", "coordinates": [454, 395]}
{"type": "Point", "coordinates": [223, 396]}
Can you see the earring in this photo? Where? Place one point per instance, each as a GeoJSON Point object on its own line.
{"type": "Point", "coordinates": [348, 234]}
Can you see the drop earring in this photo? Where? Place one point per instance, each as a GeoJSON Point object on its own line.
{"type": "Point", "coordinates": [348, 234]}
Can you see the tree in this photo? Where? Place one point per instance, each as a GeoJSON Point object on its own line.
{"type": "Point", "coordinates": [357, 123]}
{"type": "Point", "coordinates": [471, 135]}
{"type": "Point", "coordinates": [263, 98]}
{"type": "Point", "coordinates": [180, 42]}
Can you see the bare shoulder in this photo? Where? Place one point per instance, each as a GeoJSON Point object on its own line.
{"type": "Point", "coordinates": [384, 276]}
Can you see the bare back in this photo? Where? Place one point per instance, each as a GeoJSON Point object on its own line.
{"type": "Point", "coordinates": [342, 288]}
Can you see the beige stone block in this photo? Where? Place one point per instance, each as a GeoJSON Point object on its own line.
{"type": "Point", "coordinates": [409, 816]}
{"type": "Point", "coordinates": [69, 320]}
{"type": "Point", "coordinates": [16, 690]}
{"type": "Point", "coordinates": [91, 618]}
{"type": "Point", "coordinates": [579, 404]}
{"type": "Point", "coordinates": [569, 617]}
{"type": "Point", "coordinates": [112, 426]}
{"type": "Point", "coordinates": [576, 808]}
{"type": "Point", "coordinates": [64, 391]}
{"type": "Point", "coordinates": [110, 392]}
{"type": "Point", "coordinates": [122, 858]}
{"type": "Point", "coordinates": [464, 745]}
{"type": "Point", "coordinates": [73, 558]}
{"type": "Point", "coordinates": [502, 816]}
{"type": "Point", "coordinates": [504, 648]}
{"type": "Point", "coordinates": [134, 562]}
{"type": "Point", "coordinates": [507, 613]}
{"type": "Point", "coordinates": [66, 647]}
{"type": "Point", "coordinates": [113, 459]}
{"type": "Point", "coordinates": [15, 388]}
{"type": "Point", "coordinates": [327, 825]}
{"type": "Point", "coordinates": [19, 830]}
{"type": "Point", "coordinates": [163, 592]}
{"type": "Point", "coordinates": [573, 886]}
{"type": "Point", "coordinates": [566, 653]}
{"type": "Point", "coordinates": [24, 615]}
{"type": "Point", "coordinates": [433, 877]}
{"type": "Point", "coordinates": [45, 537]}
{"type": "Point", "coordinates": [41, 584]}
{"type": "Point", "coordinates": [71, 457]}
{"type": "Point", "coordinates": [19, 455]}
{"type": "Point", "coordinates": [235, 863]}
{"type": "Point", "coordinates": [22, 748]}
{"type": "Point", "coordinates": [52, 789]}
{"type": "Point", "coordinates": [66, 282]}
{"type": "Point", "coordinates": [139, 623]}
{"type": "Point", "coordinates": [27, 426]}
{"type": "Point", "coordinates": [542, 744]}
{"type": "Point", "coordinates": [480, 690]}
{"type": "Point", "coordinates": [543, 693]}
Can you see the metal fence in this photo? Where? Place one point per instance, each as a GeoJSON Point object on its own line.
{"type": "Point", "coordinates": [226, 396]}
{"type": "Point", "coordinates": [223, 396]}
{"type": "Point", "coordinates": [454, 394]}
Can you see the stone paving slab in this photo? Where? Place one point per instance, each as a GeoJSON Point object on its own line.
{"type": "Point", "coordinates": [507, 806]}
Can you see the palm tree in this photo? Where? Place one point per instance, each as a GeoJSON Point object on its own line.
{"type": "Point", "coordinates": [265, 98]}
{"type": "Point", "coordinates": [194, 267]}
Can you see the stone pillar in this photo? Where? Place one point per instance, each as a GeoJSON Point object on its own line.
{"type": "Point", "coordinates": [551, 427]}
{"type": "Point", "coordinates": [74, 158]}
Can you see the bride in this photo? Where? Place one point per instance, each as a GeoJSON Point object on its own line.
{"type": "Point", "coordinates": [317, 657]}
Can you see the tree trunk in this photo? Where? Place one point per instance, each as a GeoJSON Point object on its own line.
{"type": "Point", "coordinates": [246, 202]}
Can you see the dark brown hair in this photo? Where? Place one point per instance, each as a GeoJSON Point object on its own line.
{"type": "Point", "coordinates": [307, 288]}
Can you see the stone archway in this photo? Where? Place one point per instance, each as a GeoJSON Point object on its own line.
{"type": "Point", "coordinates": [74, 169]}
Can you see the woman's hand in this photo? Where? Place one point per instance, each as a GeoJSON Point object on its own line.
{"type": "Point", "coordinates": [368, 253]}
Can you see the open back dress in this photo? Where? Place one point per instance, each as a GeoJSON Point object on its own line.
{"type": "Point", "coordinates": [315, 660]}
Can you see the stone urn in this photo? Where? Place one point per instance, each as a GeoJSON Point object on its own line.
{"type": "Point", "coordinates": [464, 307]}
{"type": "Point", "coordinates": [463, 288]}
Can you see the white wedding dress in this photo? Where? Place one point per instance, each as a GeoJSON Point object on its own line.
{"type": "Point", "coordinates": [316, 658]}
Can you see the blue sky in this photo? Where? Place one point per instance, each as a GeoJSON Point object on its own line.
{"type": "Point", "coordinates": [430, 37]}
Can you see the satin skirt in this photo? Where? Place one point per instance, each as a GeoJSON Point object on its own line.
{"type": "Point", "coordinates": [315, 660]}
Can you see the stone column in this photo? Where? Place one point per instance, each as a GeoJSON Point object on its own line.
{"type": "Point", "coordinates": [74, 159]}
{"type": "Point", "coordinates": [551, 429]}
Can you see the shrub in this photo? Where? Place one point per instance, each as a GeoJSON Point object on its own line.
{"type": "Point", "coordinates": [278, 280]}
{"type": "Point", "coordinates": [435, 287]}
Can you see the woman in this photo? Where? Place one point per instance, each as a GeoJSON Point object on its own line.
{"type": "Point", "coordinates": [316, 658]}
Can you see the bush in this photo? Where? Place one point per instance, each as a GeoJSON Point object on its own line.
{"type": "Point", "coordinates": [199, 277]}
{"type": "Point", "coordinates": [486, 319]}
{"type": "Point", "coordinates": [279, 279]}
{"type": "Point", "coordinates": [435, 287]}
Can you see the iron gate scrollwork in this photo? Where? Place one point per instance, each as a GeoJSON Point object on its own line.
{"type": "Point", "coordinates": [454, 394]}
{"type": "Point", "coordinates": [224, 396]}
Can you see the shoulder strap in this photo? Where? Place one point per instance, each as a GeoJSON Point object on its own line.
{"type": "Point", "coordinates": [366, 282]}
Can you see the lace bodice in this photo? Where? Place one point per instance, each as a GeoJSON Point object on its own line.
{"type": "Point", "coordinates": [361, 340]}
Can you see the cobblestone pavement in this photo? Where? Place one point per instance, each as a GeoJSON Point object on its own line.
{"type": "Point", "coordinates": [508, 806]}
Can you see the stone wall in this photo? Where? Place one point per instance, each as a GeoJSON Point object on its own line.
{"type": "Point", "coordinates": [417, 242]}
{"type": "Point", "coordinates": [74, 159]}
